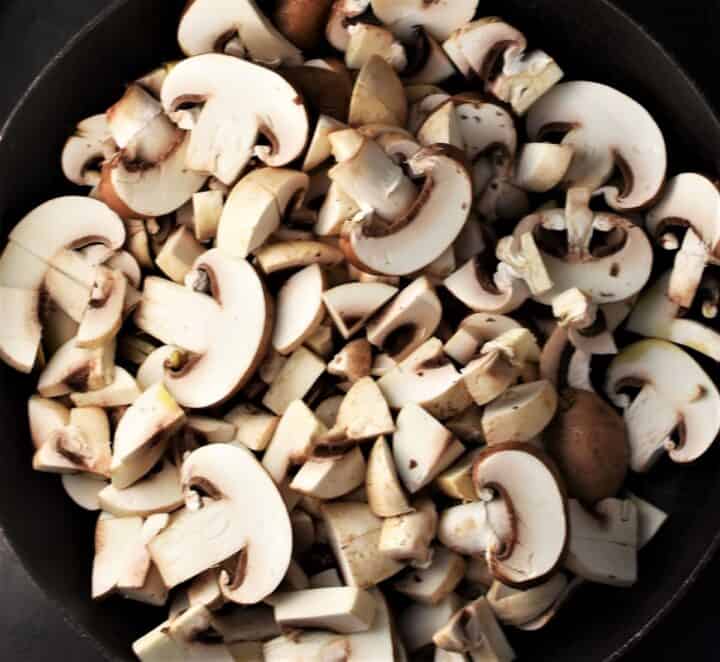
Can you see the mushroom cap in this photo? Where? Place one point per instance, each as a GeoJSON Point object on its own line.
{"type": "Point", "coordinates": [223, 140]}
{"type": "Point", "coordinates": [607, 130]}
{"type": "Point", "coordinates": [527, 481]}
{"type": "Point", "coordinates": [676, 398]}
{"type": "Point", "coordinates": [439, 18]}
{"type": "Point", "coordinates": [417, 239]}
{"type": "Point", "coordinates": [206, 24]}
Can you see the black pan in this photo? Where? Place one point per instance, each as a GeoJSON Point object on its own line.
{"type": "Point", "coordinates": [53, 539]}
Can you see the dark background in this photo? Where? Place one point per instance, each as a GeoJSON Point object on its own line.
{"type": "Point", "coordinates": [31, 31]}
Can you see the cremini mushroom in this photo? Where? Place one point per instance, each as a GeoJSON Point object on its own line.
{"type": "Point", "coordinates": [343, 14]}
{"type": "Point", "coordinates": [473, 332]}
{"type": "Point", "coordinates": [353, 362]}
{"type": "Point", "coordinates": [542, 166]}
{"type": "Point", "coordinates": [515, 607]}
{"type": "Point", "coordinates": [428, 63]}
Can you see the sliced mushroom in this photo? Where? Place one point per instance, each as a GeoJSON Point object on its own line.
{"type": "Point", "coordinates": [254, 426]}
{"type": "Point", "coordinates": [102, 319]}
{"type": "Point", "coordinates": [408, 537]}
{"type": "Point", "coordinates": [467, 425]}
{"type": "Point", "coordinates": [650, 519]}
{"type": "Point", "coordinates": [244, 512]}
{"type": "Point", "coordinates": [297, 253]}
{"type": "Point", "coordinates": [343, 14]}
{"type": "Point", "coordinates": [517, 608]}
{"type": "Point", "coordinates": [330, 477]}
{"type": "Point", "coordinates": [223, 141]}
{"type": "Point", "coordinates": [352, 362]}
{"type": "Point", "coordinates": [90, 144]}
{"type": "Point", "coordinates": [603, 544]}
{"type": "Point", "coordinates": [367, 41]}
{"type": "Point", "coordinates": [474, 528]}
{"type": "Point", "coordinates": [378, 96]}
{"type": "Point", "coordinates": [676, 410]}
{"type": "Point", "coordinates": [543, 166]}
{"type": "Point", "coordinates": [211, 25]}
{"type": "Point", "coordinates": [83, 489]}
{"type": "Point", "coordinates": [22, 332]}
{"type": "Point", "coordinates": [337, 209]}
{"type": "Point", "coordinates": [294, 381]}
{"type": "Point", "coordinates": [364, 413]}
{"type": "Point", "coordinates": [352, 304]}
{"type": "Point", "coordinates": [386, 497]}
{"type": "Point", "coordinates": [322, 341]}
{"type": "Point", "coordinates": [178, 255]}
{"type": "Point", "coordinates": [473, 332]}
{"type": "Point", "coordinates": [240, 624]}
{"type": "Point", "coordinates": [456, 482]}
{"type": "Point", "coordinates": [607, 131]}
{"type": "Point", "coordinates": [122, 391]}
{"type": "Point", "coordinates": [419, 622]}
{"type": "Point", "coordinates": [211, 430]}
{"type": "Point", "coordinates": [442, 126]}
{"type": "Point", "coordinates": [319, 149]}
{"type": "Point", "coordinates": [434, 583]}
{"type": "Point", "coordinates": [326, 579]}
{"type": "Point", "coordinates": [428, 64]}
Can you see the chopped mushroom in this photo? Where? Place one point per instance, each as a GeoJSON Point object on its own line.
{"type": "Point", "coordinates": [408, 537]}
{"type": "Point", "coordinates": [351, 305]}
{"type": "Point", "coordinates": [433, 584]}
{"type": "Point", "coordinates": [418, 623]}
{"type": "Point", "coordinates": [378, 96]}
{"type": "Point", "coordinates": [386, 497]}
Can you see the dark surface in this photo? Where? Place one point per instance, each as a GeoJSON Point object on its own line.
{"type": "Point", "coordinates": [31, 627]}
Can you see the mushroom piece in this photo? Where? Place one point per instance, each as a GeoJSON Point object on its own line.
{"type": "Point", "coordinates": [90, 144]}
{"type": "Point", "coordinates": [378, 96]}
{"type": "Point", "coordinates": [83, 489]}
{"type": "Point", "coordinates": [467, 425]}
{"type": "Point", "coordinates": [322, 341]}
{"type": "Point", "coordinates": [102, 319]}
{"type": "Point", "coordinates": [603, 544]}
{"type": "Point", "coordinates": [433, 584]}
{"type": "Point", "coordinates": [158, 492]}
{"type": "Point", "coordinates": [364, 412]}
{"type": "Point", "coordinates": [473, 332]}
{"type": "Point", "coordinates": [418, 623]}
{"type": "Point", "coordinates": [241, 624]}
{"type": "Point", "coordinates": [303, 21]}
{"type": "Point", "coordinates": [408, 537]}
{"type": "Point", "coordinates": [352, 362]}
{"type": "Point", "coordinates": [354, 534]}
{"type": "Point", "coordinates": [219, 362]}
{"type": "Point", "coordinates": [300, 309]}
{"type": "Point", "coordinates": [351, 305]}
{"type": "Point", "coordinates": [330, 477]}
{"type": "Point", "coordinates": [220, 82]}
{"type": "Point", "coordinates": [474, 629]}
{"type": "Point", "coordinates": [342, 609]}
{"type": "Point", "coordinates": [243, 512]}
{"type": "Point", "coordinates": [475, 528]}
{"type": "Point", "coordinates": [303, 528]}
{"type": "Point", "coordinates": [422, 447]}
{"type": "Point", "coordinates": [298, 253]}
{"type": "Point", "coordinates": [178, 254]}
{"type": "Point", "coordinates": [439, 19]}
{"type": "Point", "coordinates": [212, 25]}
{"type": "Point", "coordinates": [337, 209]}
{"type": "Point", "coordinates": [518, 608]}
{"type": "Point", "coordinates": [256, 206]}
{"type": "Point", "coordinates": [343, 14]}
{"type": "Point", "coordinates": [143, 435]}
{"type": "Point", "coordinates": [456, 482]}
{"type": "Point", "coordinates": [610, 273]}
{"type": "Point", "coordinates": [367, 41]}
{"type": "Point", "coordinates": [521, 413]}
{"type": "Point", "coordinates": [22, 332]}
{"type": "Point", "coordinates": [73, 369]}
{"type": "Point", "coordinates": [207, 207]}
{"type": "Point", "coordinates": [427, 378]}
{"type": "Point", "coordinates": [319, 150]}
{"type": "Point", "coordinates": [211, 430]}
{"type": "Point", "coordinates": [542, 166]}
{"type": "Point", "coordinates": [254, 426]}
{"type": "Point", "coordinates": [523, 78]}
{"type": "Point", "coordinates": [442, 126]}
{"type": "Point", "coordinates": [122, 391]}
{"type": "Point", "coordinates": [294, 380]}
{"type": "Point", "coordinates": [386, 497]}
{"type": "Point", "coordinates": [650, 519]}
{"type": "Point", "coordinates": [326, 579]}
{"type": "Point", "coordinates": [524, 479]}
{"type": "Point", "coordinates": [676, 410]}
{"type": "Point", "coordinates": [607, 131]}
{"type": "Point", "coordinates": [429, 64]}
{"type": "Point", "coordinates": [406, 323]}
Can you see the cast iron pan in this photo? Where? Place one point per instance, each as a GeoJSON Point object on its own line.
{"type": "Point", "coordinates": [53, 539]}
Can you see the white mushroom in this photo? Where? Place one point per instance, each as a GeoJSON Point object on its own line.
{"type": "Point", "coordinates": [429, 64]}
{"type": "Point", "coordinates": [378, 96]}
{"type": "Point", "coordinates": [386, 497]}
{"type": "Point", "coordinates": [342, 16]}
{"type": "Point", "coordinates": [433, 584]}
{"type": "Point", "coordinates": [294, 380]}
{"type": "Point", "coordinates": [473, 332]}
{"type": "Point", "coordinates": [542, 166]}
{"type": "Point", "coordinates": [122, 391]}
{"type": "Point", "coordinates": [418, 623]}
{"type": "Point", "coordinates": [90, 144]}
{"type": "Point", "coordinates": [330, 477]}
{"type": "Point", "coordinates": [254, 426]}
{"type": "Point", "coordinates": [367, 41]}
{"type": "Point", "coordinates": [456, 482]}
{"type": "Point", "coordinates": [297, 253]}
{"type": "Point", "coordinates": [440, 19]}
{"type": "Point", "coordinates": [178, 254]}
{"type": "Point", "coordinates": [408, 537]}
{"type": "Point", "coordinates": [73, 369]}
{"type": "Point", "coordinates": [676, 410]}
{"type": "Point", "coordinates": [364, 412]}
{"type": "Point", "coordinates": [319, 149]}
{"type": "Point", "coordinates": [352, 362]}
{"type": "Point", "coordinates": [351, 305]}
{"type": "Point", "coordinates": [83, 489]}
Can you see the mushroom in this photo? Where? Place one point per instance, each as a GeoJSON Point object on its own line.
{"type": "Point", "coordinates": [83, 489]}
{"type": "Point", "coordinates": [240, 624]}
{"type": "Point", "coordinates": [456, 482]}
{"type": "Point", "coordinates": [220, 82]}
{"type": "Point", "coordinates": [337, 209]}
{"type": "Point", "coordinates": [254, 426]}
{"type": "Point", "coordinates": [325, 90]}
{"type": "Point", "coordinates": [419, 622]}
{"type": "Point", "coordinates": [406, 323]}
{"type": "Point", "coordinates": [517, 474]}
{"type": "Point", "coordinates": [521, 413]}
{"type": "Point", "coordinates": [102, 319]}
{"type": "Point", "coordinates": [473, 332]}
{"type": "Point", "coordinates": [298, 253]}
{"type": "Point", "coordinates": [542, 166]}
{"type": "Point", "coordinates": [207, 207]}
{"type": "Point", "coordinates": [211, 25]}
{"type": "Point", "coordinates": [408, 537]}
{"type": "Point", "coordinates": [386, 497]}
{"type": "Point", "coordinates": [294, 380]}
{"type": "Point", "coordinates": [303, 528]}
{"type": "Point", "coordinates": [90, 144]}
{"type": "Point", "coordinates": [429, 379]}
{"type": "Point", "coordinates": [515, 607]}
{"type": "Point", "coordinates": [211, 430]}
{"type": "Point", "coordinates": [442, 126]}
{"type": "Point", "coordinates": [650, 519]}
{"type": "Point", "coordinates": [467, 425]}
{"type": "Point", "coordinates": [676, 410]}
{"type": "Point", "coordinates": [178, 254]}
{"type": "Point", "coordinates": [300, 309]}
{"type": "Point", "coordinates": [303, 21]}
{"type": "Point", "coordinates": [351, 305]}
{"type": "Point", "coordinates": [256, 206]}
{"type": "Point", "coordinates": [218, 364]}
{"type": "Point", "coordinates": [428, 64]}
{"type": "Point", "coordinates": [607, 131]}
{"type": "Point", "coordinates": [342, 609]}
{"type": "Point", "coordinates": [319, 150]}
{"type": "Point", "coordinates": [330, 477]}
{"type": "Point", "coordinates": [352, 362]}
{"type": "Point", "coordinates": [603, 543]}
{"type": "Point", "coordinates": [378, 96]}
{"type": "Point", "coordinates": [523, 78]}
{"type": "Point", "coordinates": [243, 512]}
{"type": "Point", "coordinates": [354, 535]}
{"type": "Point", "coordinates": [326, 579]}
{"type": "Point", "coordinates": [439, 19]}
{"type": "Point", "coordinates": [422, 447]}
{"type": "Point", "coordinates": [588, 441]}
{"type": "Point", "coordinates": [143, 435]}
{"type": "Point", "coordinates": [343, 14]}
{"type": "Point", "coordinates": [123, 390]}
{"type": "Point", "coordinates": [474, 528]}
{"type": "Point", "coordinates": [367, 41]}
{"type": "Point", "coordinates": [322, 341]}
{"type": "Point", "coordinates": [22, 332]}
{"type": "Point", "coordinates": [364, 413]}
{"type": "Point", "coordinates": [434, 583]}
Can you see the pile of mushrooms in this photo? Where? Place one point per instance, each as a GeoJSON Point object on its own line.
{"type": "Point", "coordinates": [317, 340]}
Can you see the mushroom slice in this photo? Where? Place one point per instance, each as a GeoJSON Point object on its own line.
{"type": "Point", "coordinates": [158, 492]}
{"type": "Point", "coordinates": [656, 316]}
{"type": "Point", "coordinates": [352, 362]}
{"type": "Point", "coordinates": [438, 19]}
{"type": "Point", "coordinates": [607, 131]}
{"type": "Point", "coordinates": [480, 292]}
{"type": "Point", "coordinates": [427, 378]}
{"type": "Point", "coordinates": [300, 309]}
{"type": "Point", "coordinates": [90, 144]}
{"type": "Point", "coordinates": [343, 14]}
{"type": "Point", "coordinates": [474, 629]}
{"type": "Point", "coordinates": [298, 253]}
{"type": "Point", "coordinates": [204, 590]}
{"type": "Point", "coordinates": [212, 430]}
{"type": "Point", "coordinates": [407, 537]}
{"type": "Point", "coordinates": [74, 369]}
{"type": "Point", "coordinates": [367, 41]}
{"type": "Point", "coordinates": [419, 622]}
{"type": "Point", "coordinates": [207, 208]}
{"type": "Point", "coordinates": [354, 535]}
{"type": "Point", "coordinates": [364, 412]}
{"type": "Point", "coordinates": [21, 331]}
{"type": "Point", "coordinates": [408, 321]}
{"type": "Point", "coordinates": [223, 140]}
{"type": "Point", "coordinates": [143, 434]}
{"type": "Point", "coordinates": [603, 545]}
{"type": "Point", "coordinates": [515, 607]}
{"type": "Point", "coordinates": [342, 609]}
{"type": "Point", "coordinates": [677, 408]}
{"type": "Point", "coordinates": [244, 513]}
{"type": "Point", "coordinates": [474, 331]}
{"type": "Point", "coordinates": [256, 206]}
{"type": "Point", "coordinates": [303, 22]}
{"type": "Point", "coordinates": [293, 440]}
{"type": "Point", "coordinates": [415, 239]}
{"type": "Point", "coordinates": [294, 380]}
{"type": "Point", "coordinates": [330, 477]}
{"type": "Point", "coordinates": [378, 96]}
{"type": "Point", "coordinates": [103, 317]}
{"type": "Point", "coordinates": [521, 413]}
{"type": "Point", "coordinates": [221, 362]}
{"type": "Point", "coordinates": [352, 304]}
{"type": "Point", "coordinates": [178, 254]}
{"type": "Point", "coordinates": [386, 497]}
{"type": "Point", "coordinates": [337, 209]}
{"type": "Point", "coordinates": [434, 583]}
{"type": "Point", "coordinates": [122, 391]}
{"type": "Point", "coordinates": [542, 166]}
{"type": "Point", "coordinates": [430, 65]}
{"type": "Point", "coordinates": [442, 126]}
{"type": "Point", "coordinates": [422, 447]}
{"type": "Point", "coordinates": [473, 529]}
{"type": "Point", "coordinates": [83, 489]}
{"type": "Point", "coordinates": [213, 25]}
{"type": "Point", "coordinates": [650, 519]}
{"type": "Point", "coordinates": [158, 646]}
{"type": "Point", "coordinates": [524, 479]}
{"type": "Point", "coordinates": [319, 149]}
{"type": "Point", "coordinates": [255, 427]}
